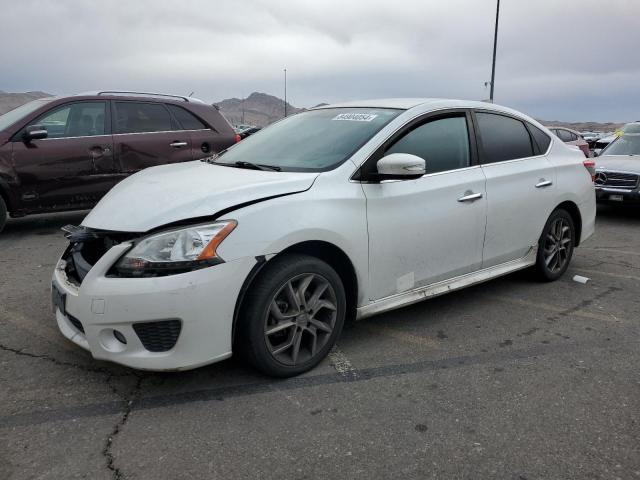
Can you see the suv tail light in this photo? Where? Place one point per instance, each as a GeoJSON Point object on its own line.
{"type": "Point", "coordinates": [238, 138]}
{"type": "Point", "coordinates": [590, 165]}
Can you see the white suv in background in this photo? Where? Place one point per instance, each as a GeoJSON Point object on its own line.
{"type": "Point", "coordinates": [341, 211]}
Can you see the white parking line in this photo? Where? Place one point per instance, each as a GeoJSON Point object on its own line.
{"type": "Point", "coordinates": [342, 364]}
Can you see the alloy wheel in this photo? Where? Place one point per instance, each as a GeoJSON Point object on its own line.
{"type": "Point", "coordinates": [557, 245]}
{"type": "Point", "coordinates": [300, 319]}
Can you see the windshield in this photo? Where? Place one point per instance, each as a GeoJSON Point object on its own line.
{"type": "Point", "coordinates": [631, 128]}
{"type": "Point", "coordinates": [313, 141]}
{"type": "Point", "coordinates": [628, 144]}
{"type": "Point", "coordinates": [16, 114]}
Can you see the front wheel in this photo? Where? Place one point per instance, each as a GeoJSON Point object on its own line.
{"type": "Point", "coordinates": [555, 247]}
{"type": "Point", "coordinates": [291, 315]}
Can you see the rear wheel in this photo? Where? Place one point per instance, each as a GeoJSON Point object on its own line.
{"type": "Point", "coordinates": [555, 247]}
{"type": "Point", "coordinates": [291, 315]}
{"type": "Point", "coordinates": [3, 214]}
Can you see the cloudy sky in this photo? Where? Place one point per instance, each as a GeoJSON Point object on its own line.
{"type": "Point", "coordinates": [566, 60]}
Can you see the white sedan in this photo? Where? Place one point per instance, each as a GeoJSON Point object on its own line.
{"type": "Point", "coordinates": [343, 211]}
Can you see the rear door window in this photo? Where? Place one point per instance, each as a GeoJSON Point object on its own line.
{"type": "Point", "coordinates": [443, 143]}
{"type": "Point", "coordinates": [187, 120]}
{"type": "Point", "coordinates": [82, 119]}
{"type": "Point", "coordinates": [503, 138]}
{"type": "Point", "coordinates": [139, 117]}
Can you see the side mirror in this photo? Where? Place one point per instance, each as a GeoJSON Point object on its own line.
{"type": "Point", "coordinates": [401, 166]}
{"type": "Point", "coordinates": [34, 132]}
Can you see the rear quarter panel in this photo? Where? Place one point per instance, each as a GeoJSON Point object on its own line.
{"type": "Point", "coordinates": [221, 137]}
{"type": "Point", "coordinates": [574, 184]}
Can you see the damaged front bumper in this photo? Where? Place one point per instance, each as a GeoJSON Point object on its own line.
{"type": "Point", "coordinates": [173, 322]}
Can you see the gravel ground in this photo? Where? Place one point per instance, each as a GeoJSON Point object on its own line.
{"type": "Point", "coordinates": [512, 379]}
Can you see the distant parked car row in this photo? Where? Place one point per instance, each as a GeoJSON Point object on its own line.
{"type": "Point", "coordinates": [592, 143]}
{"type": "Point", "coordinates": [571, 137]}
{"type": "Point", "coordinates": [245, 130]}
{"type": "Point", "coordinates": [65, 153]}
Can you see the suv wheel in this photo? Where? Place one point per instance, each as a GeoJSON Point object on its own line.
{"type": "Point", "coordinates": [3, 214]}
{"type": "Point", "coordinates": [555, 246]}
{"type": "Point", "coordinates": [291, 315]}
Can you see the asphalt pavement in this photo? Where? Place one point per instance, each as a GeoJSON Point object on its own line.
{"type": "Point", "coordinates": [511, 379]}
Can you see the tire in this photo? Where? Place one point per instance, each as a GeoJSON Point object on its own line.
{"type": "Point", "coordinates": [3, 214]}
{"type": "Point", "coordinates": [555, 246]}
{"type": "Point", "coordinates": [272, 304]}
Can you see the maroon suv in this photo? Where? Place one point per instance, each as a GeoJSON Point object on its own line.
{"type": "Point", "coordinates": [65, 153]}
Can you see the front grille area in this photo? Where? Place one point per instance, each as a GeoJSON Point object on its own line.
{"type": "Point", "coordinates": [76, 323]}
{"type": "Point", "coordinates": [616, 179]}
{"type": "Point", "coordinates": [86, 248]}
{"type": "Point", "coordinates": [160, 336]}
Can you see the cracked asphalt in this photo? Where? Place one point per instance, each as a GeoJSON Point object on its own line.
{"type": "Point", "coordinates": [511, 379]}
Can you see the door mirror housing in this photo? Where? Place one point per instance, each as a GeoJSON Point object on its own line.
{"type": "Point", "coordinates": [34, 132]}
{"type": "Point", "coordinates": [400, 166]}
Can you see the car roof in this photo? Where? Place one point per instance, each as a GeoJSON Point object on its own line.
{"type": "Point", "coordinates": [119, 94]}
{"type": "Point", "coordinates": [409, 103]}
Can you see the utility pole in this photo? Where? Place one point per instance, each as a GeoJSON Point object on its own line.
{"type": "Point", "coordinates": [285, 92]}
{"type": "Point", "coordinates": [495, 46]}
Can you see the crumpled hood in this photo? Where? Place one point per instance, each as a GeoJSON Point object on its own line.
{"type": "Point", "coordinates": [169, 193]}
{"type": "Point", "coordinates": [623, 163]}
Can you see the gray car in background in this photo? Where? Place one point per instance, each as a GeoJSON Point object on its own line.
{"type": "Point", "coordinates": [618, 171]}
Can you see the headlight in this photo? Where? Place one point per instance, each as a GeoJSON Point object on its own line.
{"type": "Point", "coordinates": [177, 251]}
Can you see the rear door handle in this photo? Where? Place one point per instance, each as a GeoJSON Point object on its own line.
{"type": "Point", "coordinates": [470, 197]}
{"type": "Point", "coordinates": [544, 183]}
{"type": "Point", "coordinates": [178, 144]}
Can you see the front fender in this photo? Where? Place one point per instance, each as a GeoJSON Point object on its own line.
{"type": "Point", "coordinates": [269, 227]}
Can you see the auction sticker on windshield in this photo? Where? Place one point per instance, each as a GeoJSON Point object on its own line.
{"type": "Point", "coordinates": [355, 117]}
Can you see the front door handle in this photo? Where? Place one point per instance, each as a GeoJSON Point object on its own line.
{"type": "Point", "coordinates": [469, 196]}
{"type": "Point", "coordinates": [544, 183]}
{"type": "Point", "coordinates": [178, 144]}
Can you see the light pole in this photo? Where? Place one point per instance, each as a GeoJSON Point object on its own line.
{"type": "Point", "coordinates": [285, 92]}
{"type": "Point", "coordinates": [495, 46]}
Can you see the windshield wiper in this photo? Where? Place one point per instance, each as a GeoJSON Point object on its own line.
{"type": "Point", "coordinates": [256, 166]}
{"type": "Point", "coordinates": [213, 159]}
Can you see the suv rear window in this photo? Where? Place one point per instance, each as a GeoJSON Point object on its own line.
{"type": "Point", "coordinates": [138, 117]}
{"type": "Point", "coordinates": [503, 138]}
{"type": "Point", "coordinates": [187, 120]}
{"type": "Point", "coordinates": [562, 135]}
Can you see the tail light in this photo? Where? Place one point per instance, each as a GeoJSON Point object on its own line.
{"type": "Point", "coordinates": [238, 138]}
{"type": "Point", "coordinates": [590, 165]}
